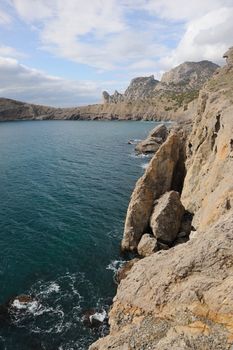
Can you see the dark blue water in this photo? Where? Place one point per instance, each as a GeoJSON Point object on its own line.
{"type": "Point", "coordinates": [64, 191]}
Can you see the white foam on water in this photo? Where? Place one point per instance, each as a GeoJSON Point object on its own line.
{"type": "Point", "coordinates": [99, 316]}
{"type": "Point", "coordinates": [140, 156]}
{"type": "Point", "coordinates": [144, 165]}
{"type": "Point", "coordinates": [115, 265]}
{"type": "Point", "coordinates": [31, 306]}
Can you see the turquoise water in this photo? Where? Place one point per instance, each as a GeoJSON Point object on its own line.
{"type": "Point", "coordinates": [64, 191]}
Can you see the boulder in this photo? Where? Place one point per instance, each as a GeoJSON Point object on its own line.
{"type": "Point", "coordinates": [147, 245]}
{"type": "Point", "coordinates": [166, 217]}
{"type": "Point", "coordinates": [159, 131]}
{"type": "Point", "coordinates": [152, 143]}
{"type": "Point", "coordinates": [156, 180]}
{"type": "Point", "coordinates": [149, 145]}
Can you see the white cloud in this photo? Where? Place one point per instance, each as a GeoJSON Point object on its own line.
{"type": "Point", "coordinates": [125, 37]}
{"type": "Point", "coordinates": [102, 34]}
{"type": "Point", "coordinates": [24, 83]}
{"type": "Point", "coordinates": [206, 38]}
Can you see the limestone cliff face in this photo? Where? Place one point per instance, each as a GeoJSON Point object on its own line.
{"type": "Point", "coordinates": [156, 181]}
{"type": "Point", "coordinates": [182, 298]}
{"type": "Point", "coordinates": [208, 186]}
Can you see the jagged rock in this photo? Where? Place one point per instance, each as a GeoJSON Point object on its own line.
{"type": "Point", "coordinates": [229, 56]}
{"type": "Point", "coordinates": [182, 298]}
{"type": "Point", "coordinates": [166, 217]}
{"type": "Point", "coordinates": [140, 88]}
{"type": "Point", "coordinates": [208, 189]}
{"type": "Point", "coordinates": [156, 180]}
{"type": "Point", "coordinates": [124, 270]}
{"type": "Point", "coordinates": [106, 97]}
{"type": "Point", "coordinates": [147, 245]}
{"type": "Point", "coordinates": [152, 143]}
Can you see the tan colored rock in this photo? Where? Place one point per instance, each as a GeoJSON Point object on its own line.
{"type": "Point", "coordinates": [208, 187]}
{"type": "Point", "coordinates": [154, 140]}
{"type": "Point", "coordinates": [182, 298]}
{"type": "Point", "coordinates": [147, 245]}
{"type": "Point", "coordinates": [159, 131]}
{"type": "Point", "coordinates": [149, 145]}
{"type": "Point", "coordinates": [178, 299]}
{"type": "Point", "coordinates": [156, 181]}
{"type": "Point", "coordinates": [166, 217]}
{"type": "Point", "coordinates": [124, 270]}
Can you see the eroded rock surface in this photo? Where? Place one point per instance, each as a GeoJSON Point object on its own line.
{"type": "Point", "coordinates": [208, 186]}
{"type": "Point", "coordinates": [182, 298]}
{"type": "Point", "coordinates": [178, 299]}
{"type": "Point", "coordinates": [166, 217]}
{"type": "Point", "coordinates": [156, 181]}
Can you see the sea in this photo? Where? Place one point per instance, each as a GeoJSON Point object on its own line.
{"type": "Point", "coordinates": [64, 191]}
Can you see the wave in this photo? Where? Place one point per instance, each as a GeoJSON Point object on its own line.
{"type": "Point", "coordinates": [144, 166]}
{"type": "Point", "coordinates": [135, 155]}
{"type": "Point", "coordinates": [115, 265]}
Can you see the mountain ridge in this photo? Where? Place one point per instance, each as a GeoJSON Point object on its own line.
{"type": "Point", "coordinates": [145, 98]}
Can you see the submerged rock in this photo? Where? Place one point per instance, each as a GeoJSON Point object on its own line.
{"type": "Point", "coordinates": [147, 245]}
{"type": "Point", "coordinates": [93, 318]}
{"type": "Point", "coordinates": [166, 217]}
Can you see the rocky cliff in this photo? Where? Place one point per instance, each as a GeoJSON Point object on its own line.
{"type": "Point", "coordinates": [146, 98]}
{"type": "Point", "coordinates": [180, 296]}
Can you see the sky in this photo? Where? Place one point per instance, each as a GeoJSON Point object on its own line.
{"type": "Point", "coordinates": [66, 52]}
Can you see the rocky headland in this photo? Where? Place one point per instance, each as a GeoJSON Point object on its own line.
{"type": "Point", "coordinates": [172, 98]}
{"type": "Point", "coordinates": [179, 294]}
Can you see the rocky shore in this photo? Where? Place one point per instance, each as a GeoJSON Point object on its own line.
{"type": "Point", "coordinates": [179, 294]}
{"type": "Point", "coordinates": [172, 98]}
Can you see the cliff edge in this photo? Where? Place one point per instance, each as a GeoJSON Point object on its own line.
{"type": "Point", "coordinates": [181, 298]}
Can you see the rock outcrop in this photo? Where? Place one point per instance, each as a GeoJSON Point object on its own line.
{"type": "Point", "coordinates": [156, 181]}
{"type": "Point", "coordinates": [208, 187]}
{"type": "Point", "coordinates": [181, 298]}
{"type": "Point", "coordinates": [177, 299]}
{"type": "Point", "coordinates": [166, 217]}
{"type": "Point", "coordinates": [152, 143]}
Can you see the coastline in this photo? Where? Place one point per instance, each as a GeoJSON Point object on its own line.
{"type": "Point", "coordinates": [181, 297]}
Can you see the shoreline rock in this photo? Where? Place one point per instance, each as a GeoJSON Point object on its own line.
{"type": "Point", "coordinates": [181, 298]}
{"type": "Point", "coordinates": [156, 181]}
